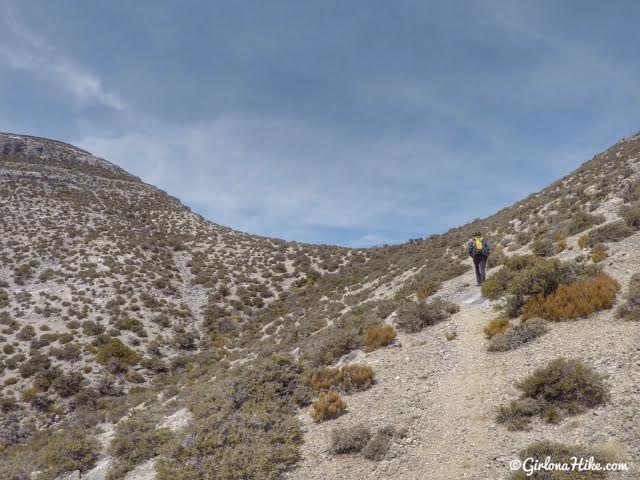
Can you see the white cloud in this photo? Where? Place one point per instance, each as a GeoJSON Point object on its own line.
{"type": "Point", "coordinates": [23, 49]}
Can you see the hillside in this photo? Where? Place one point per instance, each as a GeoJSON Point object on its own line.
{"type": "Point", "coordinates": [137, 337]}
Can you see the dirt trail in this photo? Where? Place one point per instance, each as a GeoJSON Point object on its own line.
{"type": "Point", "coordinates": [444, 391]}
{"type": "Point", "coordinates": [447, 393]}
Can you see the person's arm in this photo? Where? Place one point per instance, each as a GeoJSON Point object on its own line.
{"type": "Point", "coordinates": [470, 249]}
{"type": "Point", "coordinates": [488, 247]}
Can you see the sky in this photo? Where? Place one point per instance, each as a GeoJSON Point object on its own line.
{"type": "Point", "coordinates": [355, 123]}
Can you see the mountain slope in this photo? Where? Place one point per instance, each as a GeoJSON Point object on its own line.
{"type": "Point", "coordinates": [122, 309]}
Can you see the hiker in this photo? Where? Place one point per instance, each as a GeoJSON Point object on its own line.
{"type": "Point", "coordinates": [479, 250]}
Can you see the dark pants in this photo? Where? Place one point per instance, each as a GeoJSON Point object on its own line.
{"type": "Point", "coordinates": [480, 262]}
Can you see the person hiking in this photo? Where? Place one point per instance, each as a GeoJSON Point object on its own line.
{"type": "Point", "coordinates": [479, 250]}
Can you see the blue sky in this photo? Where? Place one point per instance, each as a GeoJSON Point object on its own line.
{"type": "Point", "coordinates": [356, 123]}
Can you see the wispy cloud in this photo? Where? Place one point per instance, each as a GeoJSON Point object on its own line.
{"type": "Point", "coordinates": [22, 49]}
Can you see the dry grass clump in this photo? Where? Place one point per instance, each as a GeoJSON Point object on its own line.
{"type": "Point", "coordinates": [559, 453]}
{"type": "Point", "coordinates": [328, 406]}
{"type": "Point", "coordinates": [599, 253]}
{"type": "Point", "coordinates": [496, 326]}
{"type": "Point", "coordinates": [413, 317]}
{"type": "Point", "coordinates": [563, 386]}
{"type": "Point", "coordinates": [630, 309]}
{"type": "Point", "coordinates": [583, 241]}
{"type": "Point", "coordinates": [379, 337]}
{"type": "Point", "coordinates": [577, 300]}
{"type": "Point", "coordinates": [349, 378]}
{"type": "Point", "coordinates": [349, 439]}
{"type": "Point", "coordinates": [515, 336]}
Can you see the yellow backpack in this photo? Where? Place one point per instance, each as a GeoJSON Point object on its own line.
{"type": "Point", "coordinates": [479, 244]}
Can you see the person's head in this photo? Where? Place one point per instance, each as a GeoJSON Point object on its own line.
{"type": "Point", "coordinates": [477, 234]}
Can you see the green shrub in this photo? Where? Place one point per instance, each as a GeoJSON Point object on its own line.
{"type": "Point", "coordinates": [52, 453]}
{"type": "Point", "coordinates": [413, 317]}
{"type": "Point", "coordinates": [564, 386]}
{"type": "Point", "coordinates": [631, 215]}
{"type": "Point", "coordinates": [26, 333]}
{"type": "Point", "coordinates": [630, 309]}
{"type": "Point", "coordinates": [581, 221]}
{"type": "Point", "coordinates": [517, 335]}
{"type": "Point", "coordinates": [543, 247]}
{"type": "Point", "coordinates": [349, 439]}
{"type": "Point", "coordinates": [136, 439]}
{"type": "Point", "coordinates": [243, 426]}
{"type": "Point", "coordinates": [117, 355]}
{"type": "Point", "coordinates": [610, 232]}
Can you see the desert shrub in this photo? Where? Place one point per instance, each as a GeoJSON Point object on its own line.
{"type": "Point", "coordinates": [524, 275]}
{"type": "Point", "coordinates": [517, 335]}
{"type": "Point", "coordinates": [243, 426]}
{"type": "Point", "coordinates": [543, 247]}
{"type": "Point", "coordinates": [559, 453]}
{"type": "Point", "coordinates": [70, 351]}
{"type": "Point", "coordinates": [581, 221]}
{"type": "Point", "coordinates": [329, 405]}
{"type": "Point", "coordinates": [630, 309]}
{"type": "Point", "coordinates": [563, 386]}
{"type": "Point", "coordinates": [377, 448]}
{"type": "Point", "coordinates": [186, 340]}
{"type": "Point", "coordinates": [34, 364]}
{"type": "Point", "coordinates": [496, 326]}
{"type": "Point", "coordinates": [330, 344]}
{"type": "Point", "coordinates": [413, 317]}
{"type": "Point", "coordinates": [610, 232]}
{"type": "Point", "coordinates": [631, 215]}
{"type": "Point", "coordinates": [91, 328]}
{"type": "Point", "coordinates": [8, 349]}
{"type": "Point", "coordinates": [26, 333]}
{"type": "Point", "coordinates": [136, 439]}
{"type": "Point", "coordinates": [579, 299]}
{"type": "Point", "coordinates": [426, 288]}
{"type": "Point", "coordinates": [68, 384]}
{"type": "Point", "coordinates": [378, 337]}
{"type": "Point", "coordinates": [599, 253]}
{"type": "Point", "coordinates": [349, 378]}
{"type": "Point", "coordinates": [349, 439]}
{"type": "Point", "coordinates": [117, 355]}
{"type": "Point", "coordinates": [50, 452]}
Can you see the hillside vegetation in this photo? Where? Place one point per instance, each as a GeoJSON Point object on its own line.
{"type": "Point", "coordinates": [133, 330]}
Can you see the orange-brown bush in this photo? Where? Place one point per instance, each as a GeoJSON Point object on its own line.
{"type": "Point", "coordinates": [379, 337]}
{"type": "Point", "coordinates": [348, 378]}
{"type": "Point", "coordinates": [583, 241]}
{"type": "Point", "coordinates": [496, 326]}
{"type": "Point", "coordinates": [579, 299]}
{"type": "Point", "coordinates": [328, 406]}
{"type": "Point", "coordinates": [599, 253]}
